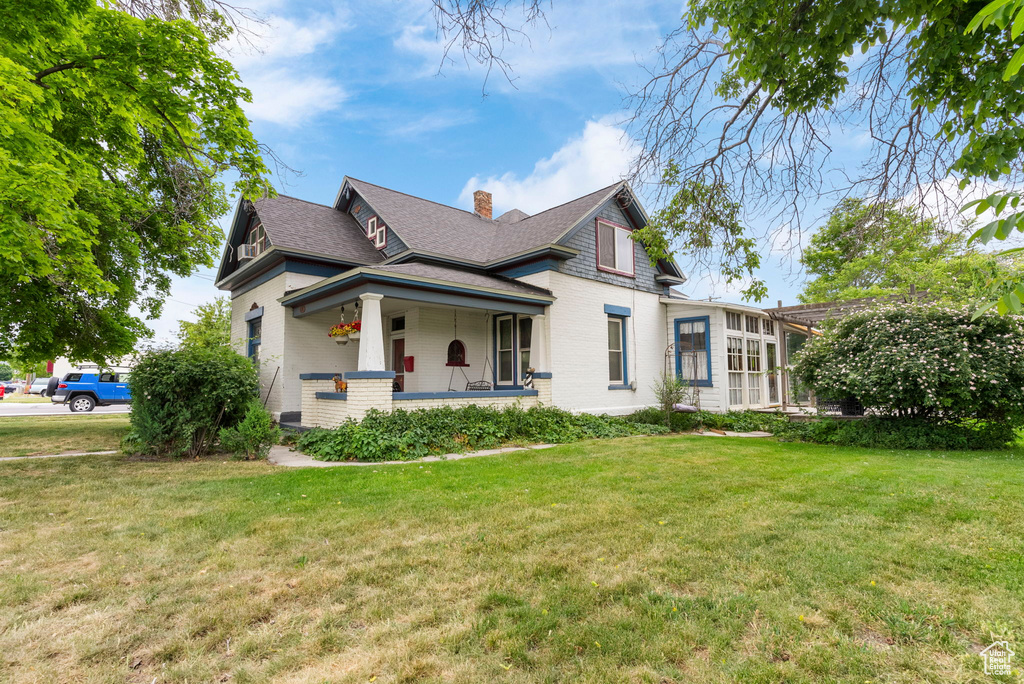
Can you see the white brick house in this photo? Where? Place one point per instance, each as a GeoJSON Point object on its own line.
{"type": "Point", "coordinates": [457, 307]}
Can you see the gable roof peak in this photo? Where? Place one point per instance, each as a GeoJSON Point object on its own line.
{"type": "Point", "coordinates": [512, 216]}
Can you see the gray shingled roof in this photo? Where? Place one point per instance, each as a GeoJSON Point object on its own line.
{"type": "Point", "coordinates": [512, 216]}
{"type": "Point", "coordinates": [298, 224]}
{"type": "Point", "coordinates": [547, 226]}
{"type": "Point", "coordinates": [455, 275]}
{"type": "Point", "coordinates": [431, 227]}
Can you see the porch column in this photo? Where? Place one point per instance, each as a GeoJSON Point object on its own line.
{"type": "Point", "coordinates": [539, 360]}
{"type": "Point", "coordinates": [371, 335]}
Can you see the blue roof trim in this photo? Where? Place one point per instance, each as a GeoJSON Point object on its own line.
{"type": "Point", "coordinates": [617, 310]}
{"type": "Point", "coordinates": [371, 375]}
{"type": "Point", "coordinates": [529, 269]}
{"type": "Point", "coordinates": [289, 266]}
{"type": "Point", "coordinates": [318, 376]}
{"type": "Point", "coordinates": [332, 396]}
{"type": "Point", "coordinates": [339, 285]}
{"type": "Point", "coordinates": [400, 396]}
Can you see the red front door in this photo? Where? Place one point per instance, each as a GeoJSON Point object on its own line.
{"type": "Point", "coordinates": [398, 361]}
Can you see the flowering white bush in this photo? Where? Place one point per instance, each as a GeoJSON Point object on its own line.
{"type": "Point", "coordinates": [923, 360]}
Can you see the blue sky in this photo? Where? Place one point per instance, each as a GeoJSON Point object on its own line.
{"type": "Point", "coordinates": [354, 89]}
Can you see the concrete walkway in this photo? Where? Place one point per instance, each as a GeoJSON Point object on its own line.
{"type": "Point", "coordinates": [66, 453]}
{"type": "Point", "coordinates": [284, 456]}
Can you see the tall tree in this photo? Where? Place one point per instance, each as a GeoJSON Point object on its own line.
{"type": "Point", "coordinates": [212, 327]}
{"type": "Point", "coordinates": [740, 110]}
{"type": "Point", "coordinates": [113, 133]}
{"type": "Point", "coordinates": [867, 251]}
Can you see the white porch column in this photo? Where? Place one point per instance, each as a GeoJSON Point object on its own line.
{"type": "Point", "coordinates": [371, 335]}
{"type": "Point", "coordinates": [539, 344]}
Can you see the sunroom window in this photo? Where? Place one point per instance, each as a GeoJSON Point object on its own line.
{"type": "Point", "coordinates": [614, 248]}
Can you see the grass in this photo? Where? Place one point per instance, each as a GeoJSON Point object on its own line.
{"type": "Point", "coordinates": [25, 399]}
{"type": "Point", "coordinates": [663, 560]}
{"type": "Point", "coordinates": [29, 435]}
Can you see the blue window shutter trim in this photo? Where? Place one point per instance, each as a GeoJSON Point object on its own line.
{"type": "Point", "coordinates": [613, 310]}
{"type": "Point", "coordinates": [255, 313]}
{"type": "Point", "coordinates": [707, 343]}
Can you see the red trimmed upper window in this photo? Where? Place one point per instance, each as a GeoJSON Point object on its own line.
{"type": "Point", "coordinates": [377, 232]}
{"type": "Point", "coordinates": [614, 248]}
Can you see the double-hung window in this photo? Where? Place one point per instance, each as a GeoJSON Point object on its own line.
{"type": "Point", "coordinates": [257, 240]}
{"type": "Point", "coordinates": [753, 371]}
{"type": "Point", "coordinates": [693, 363]}
{"type": "Point", "coordinates": [734, 355]}
{"type": "Point", "coordinates": [255, 339]}
{"type": "Point", "coordinates": [614, 248]}
{"type": "Point", "coordinates": [525, 341]}
{"type": "Point", "coordinates": [377, 232]}
{"type": "Point", "coordinates": [616, 350]}
{"type": "Point", "coordinates": [505, 338]}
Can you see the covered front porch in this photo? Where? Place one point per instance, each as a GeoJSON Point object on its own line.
{"type": "Point", "coordinates": [425, 340]}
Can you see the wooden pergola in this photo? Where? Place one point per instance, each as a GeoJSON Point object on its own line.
{"type": "Point", "coordinates": [813, 314]}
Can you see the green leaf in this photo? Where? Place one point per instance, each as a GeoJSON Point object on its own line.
{"type": "Point", "coordinates": [1015, 64]}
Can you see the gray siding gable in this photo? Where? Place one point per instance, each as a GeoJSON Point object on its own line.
{"type": "Point", "coordinates": [584, 265]}
{"type": "Point", "coordinates": [365, 213]}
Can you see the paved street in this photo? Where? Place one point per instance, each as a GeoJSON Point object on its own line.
{"type": "Point", "coordinates": [13, 409]}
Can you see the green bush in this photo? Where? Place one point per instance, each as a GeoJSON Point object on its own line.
{"type": "Point", "coordinates": [408, 435]}
{"type": "Point", "coordinates": [253, 436]}
{"type": "Point", "coordinates": [928, 361]}
{"type": "Point", "coordinates": [734, 421]}
{"type": "Point", "coordinates": [902, 433]}
{"type": "Point", "coordinates": [182, 397]}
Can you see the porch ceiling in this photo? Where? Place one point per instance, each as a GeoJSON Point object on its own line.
{"type": "Point", "coordinates": [420, 283]}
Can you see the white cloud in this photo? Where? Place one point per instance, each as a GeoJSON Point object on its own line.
{"type": "Point", "coordinates": [282, 37]}
{"type": "Point", "coordinates": [598, 157]}
{"type": "Point", "coordinates": [274, 61]}
{"type": "Point", "coordinates": [283, 97]}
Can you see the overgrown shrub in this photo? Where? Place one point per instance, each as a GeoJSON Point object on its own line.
{"type": "Point", "coordinates": [182, 397]}
{"type": "Point", "coordinates": [253, 436]}
{"type": "Point", "coordinates": [902, 433]}
{"type": "Point", "coordinates": [927, 361]}
{"type": "Point", "coordinates": [407, 435]}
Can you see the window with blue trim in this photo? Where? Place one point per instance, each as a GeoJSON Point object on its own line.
{"type": "Point", "coordinates": [693, 360]}
{"type": "Point", "coordinates": [255, 335]}
{"type": "Point", "coordinates": [617, 371]}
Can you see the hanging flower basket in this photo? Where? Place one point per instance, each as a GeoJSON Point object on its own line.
{"type": "Point", "coordinates": [343, 332]}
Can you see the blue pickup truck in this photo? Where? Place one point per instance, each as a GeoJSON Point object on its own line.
{"type": "Point", "coordinates": [84, 391]}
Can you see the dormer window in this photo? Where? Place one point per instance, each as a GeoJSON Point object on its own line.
{"type": "Point", "coordinates": [377, 232]}
{"type": "Point", "coordinates": [614, 248]}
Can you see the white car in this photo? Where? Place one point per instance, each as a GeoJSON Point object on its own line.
{"type": "Point", "coordinates": [38, 386]}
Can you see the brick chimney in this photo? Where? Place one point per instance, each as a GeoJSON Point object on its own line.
{"type": "Point", "coordinates": [482, 203]}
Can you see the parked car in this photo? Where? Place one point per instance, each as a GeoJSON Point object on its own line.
{"type": "Point", "coordinates": [38, 386]}
{"type": "Point", "coordinates": [84, 391]}
{"type": "Point", "coordinates": [12, 386]}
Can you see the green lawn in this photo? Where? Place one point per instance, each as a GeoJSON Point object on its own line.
{"type": "Point", "coordinates": [27, 435]}
{"type": "Point", "coordinates": [662, 560]}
